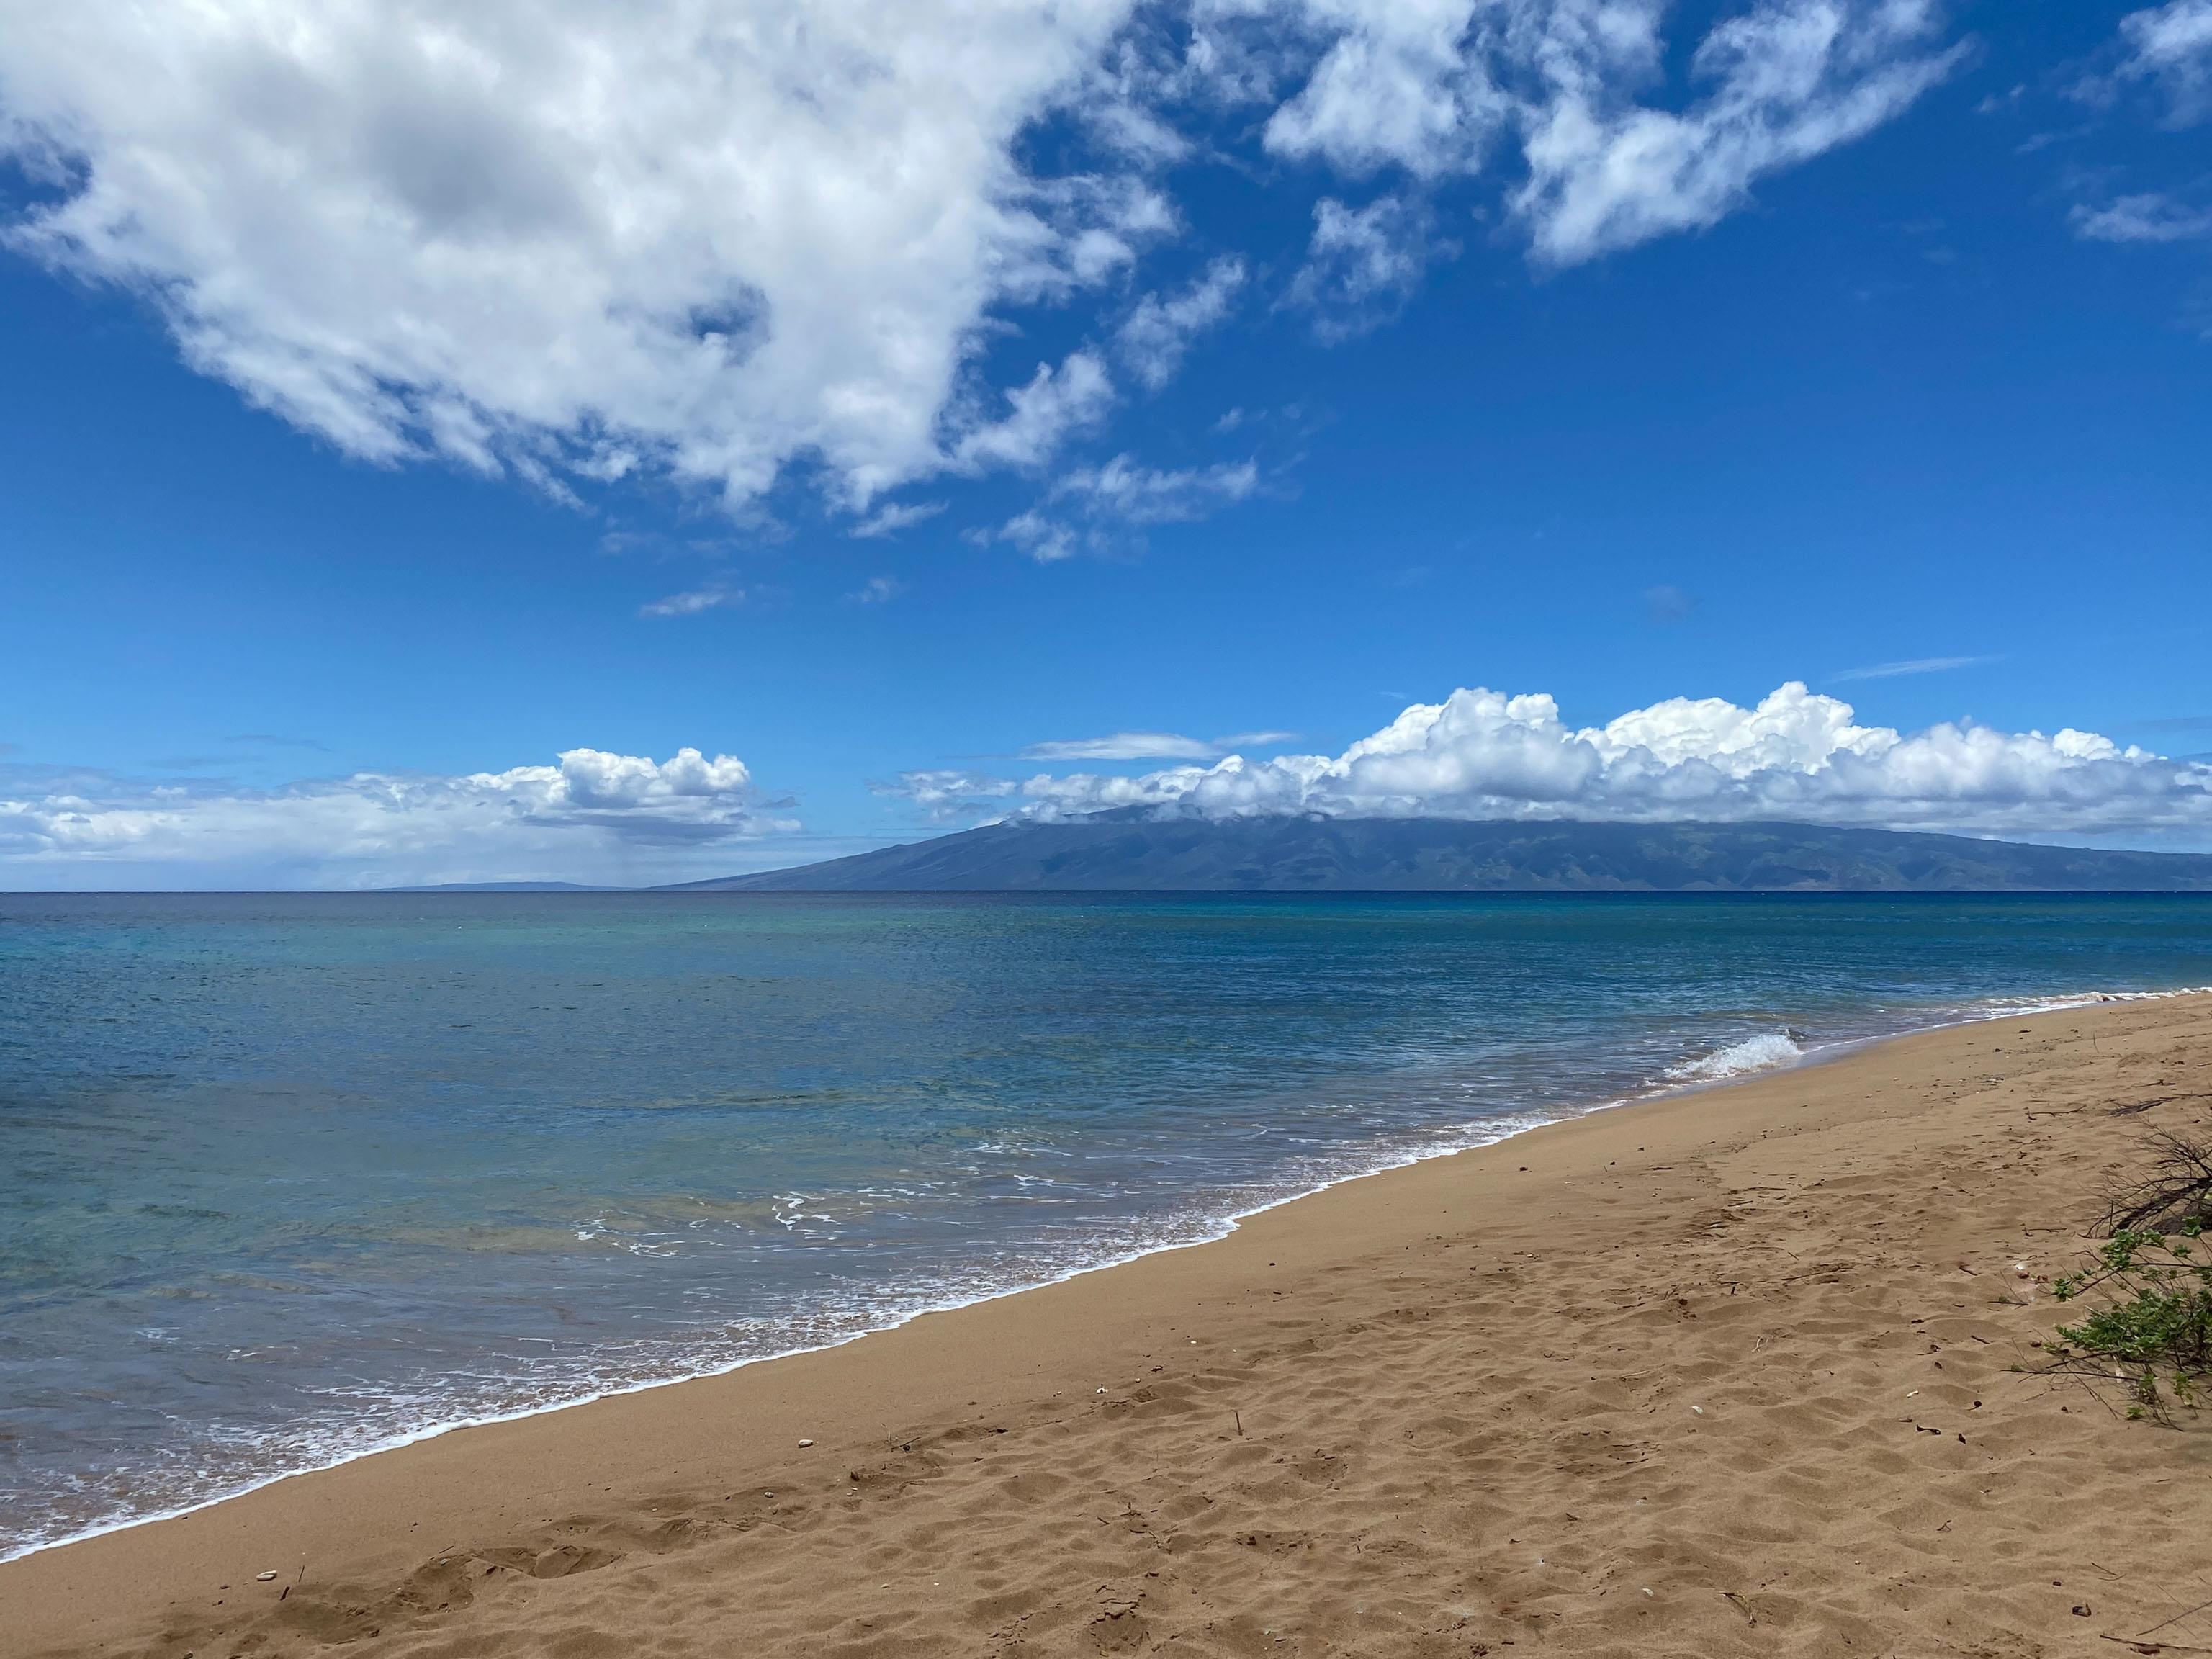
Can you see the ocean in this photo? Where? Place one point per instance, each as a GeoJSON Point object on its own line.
{"type": "Point", "coordinates": [288, 1178]}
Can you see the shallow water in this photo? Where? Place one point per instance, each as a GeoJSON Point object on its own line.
{"type": "Point", "coordinates": [286, 1178]}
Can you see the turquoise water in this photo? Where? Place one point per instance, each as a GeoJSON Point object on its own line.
{"type": "Point", "coordinates": [288, 1178]}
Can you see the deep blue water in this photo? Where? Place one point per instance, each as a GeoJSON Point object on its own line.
{"type": "Point", "coordinates": [285, 1178]}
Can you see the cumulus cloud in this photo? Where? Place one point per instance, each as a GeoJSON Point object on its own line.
{"type": "Point", "coordinates": [1795, 756]}
{"type": "Point", "coordinates": [585, 235]}
{"type": "Point", "coordinates": [594, 815]}
{"type": "Point", "coordinates": [577, 239]}
{"type": "Point", "coordinates": [2170, 46]}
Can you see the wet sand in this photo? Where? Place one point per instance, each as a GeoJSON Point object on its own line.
{"type": "Point", "coordinates": [1727, 1373]}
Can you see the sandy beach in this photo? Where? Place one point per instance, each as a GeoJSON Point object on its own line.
{"type": "Point", "coordinates": [1751, 1370]}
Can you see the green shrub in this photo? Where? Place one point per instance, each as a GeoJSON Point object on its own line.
{"type": "Point", "coordinates": [2152, 1314]}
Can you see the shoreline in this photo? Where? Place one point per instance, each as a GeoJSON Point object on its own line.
{"type": "Point", "coordinates": [358, 1518]}
{"type": "Point", "coordinates": [1219, 1228]}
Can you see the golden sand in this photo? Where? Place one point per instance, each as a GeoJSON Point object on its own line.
{"type": "Point", "coordinates": [1744, 1371]}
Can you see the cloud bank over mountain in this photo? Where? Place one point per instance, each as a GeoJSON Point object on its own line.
{"type": "Point", "coordinates": [629, 820]}
{"type": "Point", "coordinates": [1797, 756]}
{"type": "Point", "coordinates": [579, 240]}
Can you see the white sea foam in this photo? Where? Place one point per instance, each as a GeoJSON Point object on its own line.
{"type": "Point", "coordinates": [294, 1448]}
{"type": "Point", "coordinates": [1762, 1053]}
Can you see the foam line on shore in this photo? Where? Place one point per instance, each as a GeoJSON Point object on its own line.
{"type": "Point", "coordinates": [1749, 1059]}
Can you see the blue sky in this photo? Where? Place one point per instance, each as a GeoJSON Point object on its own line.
{"type": "Point", "coordinates": [1238, 375]}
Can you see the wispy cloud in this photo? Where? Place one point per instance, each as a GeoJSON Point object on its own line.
{"type": "Point", "coordinates": [275, 740]}
{"type": "Point", "coordinates": [877, 590]}
{"type": "Point", "coordinates": [1123, 746]}
{"type": "Point", "coordinates": [1044, 540]}
{"type": "Point", "coordinates": [1363, 264]}
{"type": "Point", "coordinates": [1890, 671]}
{"type": "Point", "coordinates": [2170, 46]}
{"type": "Point", "coordinates": [1790, 82]}
{"type": "Point", "coordinates": [946, 794]}
{"type": "Point", "coordinates": [2150, 216]}
{"type": "Point", "coordinates": [889, 520]}
{"type": "Point", "coordinates": [1090, 507]}
{"type": "Point", "coordinates": [1040, 415]}
{"type": "Point", "coordinates": [1154, 745]}
{"type": "Point", "coordinates": [1129, 493]}
{"type": "Point", "coordinates": [1156, 334]}
{"type": "Point", "coordinates": [691, 604]}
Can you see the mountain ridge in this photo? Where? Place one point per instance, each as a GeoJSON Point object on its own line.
{"type": "Point", "coordinates": [1129, 850]}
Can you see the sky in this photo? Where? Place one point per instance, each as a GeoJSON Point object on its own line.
{"type": "Point", "coordinates": [644, 441]}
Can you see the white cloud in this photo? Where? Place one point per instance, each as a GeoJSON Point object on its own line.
{"type": "Point", "coordinates": [580, 240]}
{"type": "Point", "coordinates": [692, 603]}
{"type": "Point", "coordinates": [2172, 46]}
{"type": "Point", "coordinates": [1397, 85]}
{"type": "Point", "coordinates": [665, 233]}
{"type": "Point", "coordinates": [1795, 755]}
{"type": "Point", "coordinates": [1890, 671]}
{"type": "Point", "coordinates": [946, 795]}
{"type": "Point", "coordinates": [1157, 333]}
{"type": "Point", "coordinates": [1127, 493]}
{"type": "Point", "coordinates": [1790, 80]}
{"type": "Point", "coordinates": [2147, 217]}
{"type": "Point", "coordinates": [1434, 85]}
{"type": "Point", "coordinates": [1364, 264]}
{"type": "Point", "coordinates": [889, 520]}
{"type": "Point", "coordinates": [1046, 540]}
{"type": "Point", "coordinates": [1107, 501]}
{"type": "Point", "coordinates": [1055, 403]}
{"type": "Point", "coordinates": [1124, 745]}
{"type": "Point", "coordinates": [877, 590]}
{"type": "Point", "coordinates": [594, 816]}
{"type": "Point", "coordinates": [1151, 745]}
